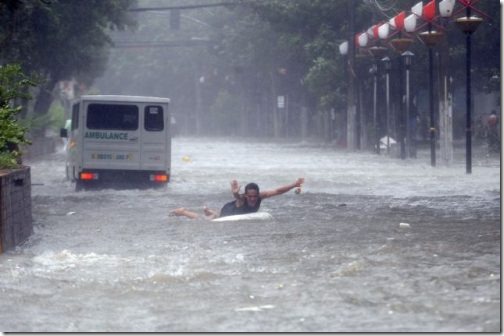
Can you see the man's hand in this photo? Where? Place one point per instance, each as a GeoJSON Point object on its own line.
{"type": "Point", "coordinates": [299, 182]}
{"type": "Point", "coordinates": [282, 190]}
{"type": "Point", "coordinates": [235, 187]}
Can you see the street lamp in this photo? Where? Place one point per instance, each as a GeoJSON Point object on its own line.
{"type": "Point", "coordinates": [468, 25]}
{"type": "Point", "coordinates": [343, 49]}
{"type": "Point", "coordinates": [403, 25]}
{"type": "Point", "coordinates": [388, 66]}
{"type": "Point", "coordinates": [401, 44]}
{"type": "Point", "coordinates": [410, 146]}
{"type": "Point", "coordinates": [430, 38]}
{"type": "Point", "coordinates": [383, 34]}
{"type": "Point", "coordinates": [378, 52]}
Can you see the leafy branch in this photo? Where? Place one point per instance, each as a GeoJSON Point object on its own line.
{"type": "Point", "coordinates": [14, 86]}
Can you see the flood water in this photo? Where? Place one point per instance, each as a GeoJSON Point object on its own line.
{"type": "Point", "coordinates": [335, 257]}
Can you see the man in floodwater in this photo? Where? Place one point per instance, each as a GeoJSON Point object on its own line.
{"type": "Point", "coordinates": [245, 203]}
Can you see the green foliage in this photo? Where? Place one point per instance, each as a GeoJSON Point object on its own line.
{"type": "Point", "coordinates": [316, 28]}
{"type": "Point", "coordinates": [8, 161]}
{"type": "Point", "coordinates": [60, 40]}
{"type": "Point", "coordinates": [320, 80]}
{"type": "Point", "coordinates": [11, 133]}
{"type": "Point", "coordinates": [56, 116]}
{"type": "Point", "coordinates": [319, 26]}
{"type": "Point", "coordinates": [260, 49]}
{"type": "Point", "coordinates": [13, 85]}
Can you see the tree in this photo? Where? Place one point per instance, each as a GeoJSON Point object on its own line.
{"type": "Point", "coordinates": [319, 26]}
{"type": "Point", "coordinates": [258, 49]}
{"type": "Point", "coordinates": [13, 84]}
{"type": "Point", "coordinates": [60, 40]}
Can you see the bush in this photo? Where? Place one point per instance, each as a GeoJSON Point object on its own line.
{"type": "Point", "coordinates": [13, 87]}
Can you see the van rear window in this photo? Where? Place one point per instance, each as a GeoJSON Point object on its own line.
{"type": "Point", "coordinates": [154, 120]}
{"type": "Point", "coordinates": [112, 117]}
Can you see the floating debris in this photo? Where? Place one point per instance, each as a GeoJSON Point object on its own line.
{"type": "Point", "coordinates": [254, 308]}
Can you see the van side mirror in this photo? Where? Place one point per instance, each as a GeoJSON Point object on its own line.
{"type": "Point", "coordinates": [63, 133]}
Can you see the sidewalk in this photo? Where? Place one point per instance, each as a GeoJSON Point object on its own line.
{"type": "Point", "coordinates": [480, 155]}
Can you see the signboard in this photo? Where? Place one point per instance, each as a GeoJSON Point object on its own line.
{"type": "Point", "coordinates": [281, 102]}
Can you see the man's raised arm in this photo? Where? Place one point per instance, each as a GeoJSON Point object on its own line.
{"type": "Point", "coordinates": [235, 190]}
{"type": "Point", "coordinates": [282, 190]}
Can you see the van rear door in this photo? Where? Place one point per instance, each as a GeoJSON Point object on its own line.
{"type": "Point", "coordinates": [111, 137]}
{"type": "Point", "coordinates": [154, 137]}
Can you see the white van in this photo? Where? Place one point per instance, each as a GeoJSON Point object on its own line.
{"type": "Point", "coordinates": [118, 140]}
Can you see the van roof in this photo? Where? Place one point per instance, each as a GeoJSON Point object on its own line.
{"type": "Point", "coordinates": [123, 98]}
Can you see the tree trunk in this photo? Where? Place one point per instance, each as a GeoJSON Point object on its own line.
{"type": "Point", "coordinates": [44, 98]}
{"type": "Point", "coordinates": [43, 102]}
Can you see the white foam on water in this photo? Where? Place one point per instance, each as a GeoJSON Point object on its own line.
{"type": "Point", "coordinates": [114, 259]}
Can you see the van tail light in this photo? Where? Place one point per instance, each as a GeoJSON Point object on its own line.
{"type": "Point", "coordinates": [161, 178]}
{"type": "Point", "coordinates": [88, 176]}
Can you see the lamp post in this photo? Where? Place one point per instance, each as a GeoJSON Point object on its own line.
{"type": "Point", "coordinates": [430, 38]}
{"type": "Point", "coordinates": [400, 45]}
{"type": "Point", "coordinates": [468, 25]}
{"type": "Point", "coordinates": [343, 50]}
{"type": "Point", "coordinates": [362, 41]}
{"type": "Point", "coordinates": [406, 25]}
{"type": "Point", "coordinates": [388, 66]}
{"type": "Point", "coordinates": [408, 58]}
{"type": "Point", "coordinates": [374, 72]}
{"type": "Point", "coordinates": [378, 52]}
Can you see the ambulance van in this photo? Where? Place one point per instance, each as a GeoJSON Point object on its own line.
{"type": "Point", "coordinates": [118, 141]}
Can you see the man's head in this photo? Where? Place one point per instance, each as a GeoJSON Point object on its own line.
{"type": "Point", "coordinates": [251, 194]}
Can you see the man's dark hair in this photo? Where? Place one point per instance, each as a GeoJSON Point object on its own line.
{"type": "Point", "coordinates": [252, 186]}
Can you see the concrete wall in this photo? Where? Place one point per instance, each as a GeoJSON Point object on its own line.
{"type": "Point", "coordinates": [15, 208]}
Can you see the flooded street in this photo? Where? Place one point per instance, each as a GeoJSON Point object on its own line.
{"type": "Point", "coordinates": [335, 257]}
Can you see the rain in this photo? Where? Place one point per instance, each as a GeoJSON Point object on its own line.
{"type": "Point", "coordinates": [378, 238]}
